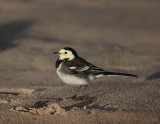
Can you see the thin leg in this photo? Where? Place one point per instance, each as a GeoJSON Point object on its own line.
{"type": "Point", "coordinates": [85, 87]}
{"type": "Point", "coordinates": [80, 87]}
{"type": "Point", "coordinates": [75, 95]}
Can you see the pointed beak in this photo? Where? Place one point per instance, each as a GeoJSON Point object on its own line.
{"type": "Point", "coordinates": [55, 52]}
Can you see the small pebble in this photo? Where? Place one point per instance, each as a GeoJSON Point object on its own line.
{"type": "Point", "coordinates": [85, 107]}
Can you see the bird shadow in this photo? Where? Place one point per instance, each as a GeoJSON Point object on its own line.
{"type": "Point", "coordinates": [10, 93]}
{"type": "Point", "coordinates": [10, 32]}
{"type": "Point", "coordinates": [108, 106]}
{"type": "Point", "coordinates": [153, 76]}
{"type": "Point", "coordinates": [81, 103]}
{"type": "Point", "coordinates": [88, 103]}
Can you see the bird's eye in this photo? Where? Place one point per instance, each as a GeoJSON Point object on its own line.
{"type": "Point", "coordinates": [65, 53]}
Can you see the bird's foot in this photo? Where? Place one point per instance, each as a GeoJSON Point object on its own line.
{"type": "Point", "coordinates": [72, 97]}
{"type": "Point", "coordinates": [75, 97]}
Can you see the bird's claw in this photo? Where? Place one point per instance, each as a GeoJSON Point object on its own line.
{"type": "Point", "coordinates": [72, 97]}
{"type": "Point", "coordinates": [75, 97]}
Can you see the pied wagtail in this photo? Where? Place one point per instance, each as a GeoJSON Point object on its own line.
{"type": "Point", "coordinates": [74, 70]}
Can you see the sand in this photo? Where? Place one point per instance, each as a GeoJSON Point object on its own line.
{"type": "Point", "coordinates": [120, 36]}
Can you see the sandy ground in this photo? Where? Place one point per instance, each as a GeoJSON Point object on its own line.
{"type": "Point", "coordinates": [121, 36]}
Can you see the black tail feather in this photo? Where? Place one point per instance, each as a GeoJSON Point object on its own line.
{"type": "Point", "coordinates": [121, 74]}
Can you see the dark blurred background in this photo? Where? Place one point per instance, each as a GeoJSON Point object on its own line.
{"type": "Point", "coordinates": [116, 35]}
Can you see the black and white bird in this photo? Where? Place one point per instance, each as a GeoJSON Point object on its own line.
{"type": "Point", "coordinates": [74, 70]}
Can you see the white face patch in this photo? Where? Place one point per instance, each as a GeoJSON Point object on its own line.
{"type": "Point", "coordinates": [66, 54]}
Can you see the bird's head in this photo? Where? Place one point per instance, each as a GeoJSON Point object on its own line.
{"type": "Point", "coordinates": [66, 53]}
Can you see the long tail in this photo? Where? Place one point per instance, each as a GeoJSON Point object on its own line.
{"type": "Point", "coordinates": [121, 74]}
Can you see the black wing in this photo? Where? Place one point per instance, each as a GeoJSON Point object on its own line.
{"type": "Point", "coordinates": [82, 66]}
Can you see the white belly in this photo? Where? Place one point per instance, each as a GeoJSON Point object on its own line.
{"type": "Point", "coordinates": [70, 79]}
